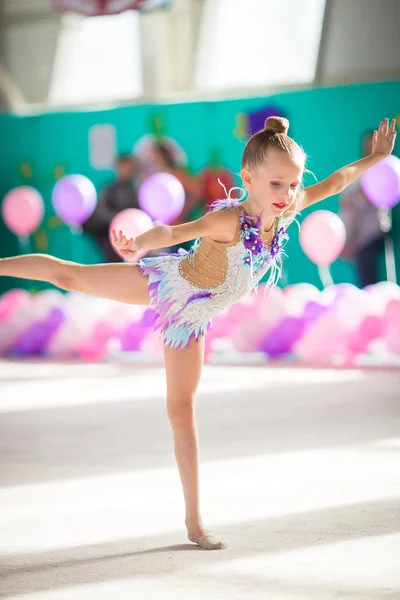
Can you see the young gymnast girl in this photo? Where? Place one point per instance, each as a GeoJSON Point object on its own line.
{"type": "Point", "coordinates": [237, 243]}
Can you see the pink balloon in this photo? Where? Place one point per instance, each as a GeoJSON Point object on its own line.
{"type": "Point", "coordinates": [324, 342]}
{"type": "Point", "coordinates": [270, 307]}
{"type": "Point", "coordinates": [12, 300]}
{"type": "Point", "coordinates": [381, 294]}
{"type": "Point", "coordinates": [16, 322]}
{"type": "Point", "coordinates": [153, 344]}
{"type": "Point", "coordinates": [240, 310]}
{"type": "Point", "coordinates": [95, 347]}
{"type": "Point", "coordinates": [22, 210]}
{"type": "Point", "coordinates": [351, 309]}
{"type": "Point", "coordinates": [371, 328]}
{"type": "Point", "coordinates": [65, 341]}
{"type": "Point", "coordinates": [221, 325]}
{"type": "Point", "coordinates": [393, 313]}
{"type": "Point", "coordinates": [392, 339]}
{"type": "Point", "coordinates": [322, 237]}
{"type": "Point", "coordinates": [392, 326]}
{"type": "Point", "coordinates": [133, 222]}
{"type": "Point", "coordinates": [247, 336]}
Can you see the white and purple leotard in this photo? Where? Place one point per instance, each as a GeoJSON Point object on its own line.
{"type": "Point", "coordinates": [187, 289]}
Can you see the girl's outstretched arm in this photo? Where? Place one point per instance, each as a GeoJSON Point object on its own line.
{"type": "Point", "coordinates": [382, 145]}
{"type": "Point", "coordinates": [220, 226]}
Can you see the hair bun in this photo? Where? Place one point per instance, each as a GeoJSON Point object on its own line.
{"type": "Point", "coordinates": [276, 125]}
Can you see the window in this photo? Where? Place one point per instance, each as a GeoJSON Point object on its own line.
{"type": "Point", "coordinates": [98, 59]}
{"type": "Point", "coordinates": [258, 43]}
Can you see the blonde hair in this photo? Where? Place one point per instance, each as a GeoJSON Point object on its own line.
{"type": "Point", "coordinates": [274, 135]}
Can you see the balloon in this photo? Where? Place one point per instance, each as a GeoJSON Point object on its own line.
{"type": "Point", "coordinates": [162, 196]}
{"type": "Point", "coordinates": [132, 337]}
{"type": "Point", "coordinates": [312, 311]}
{"type": "Point", "coordinates": [323, 342]}
{"type": "Point", "coordinates": [279, 341]}
{"type": "Point", "coordinates": [81, 316]}
{"type": "Point", "coordinates": [296, 297]}
{"type": "Point", "coordinates": [96, 346]}
{"type": "Point", "coordinates": [393, 312]}
{"type": "Point", "coordinates": [240, 310]}
{"type": "Point", "coordinates": [35, 339]}
{"type": "Point", "coordinates": [340, 290]}
{"type": "Point", "coordinates": [381, 183]}
{"type": "Point", "coordinates": [392, 338]}
{"type": "Point", "coordinates": [272, 306]}
{"type": "Point", "coordinates": [149, 316]}
{"type": "Point", "coordinates": [74, 199]}
{"type": "Point", "coordinates": [22, 210]}
{"type": "Point", "coordinates": [11, 300]}
{"type": "Point", "coordinates": [392, 326]}
{"type": "Point", "coordinates": [15, 317]}
{"type": "Point", "coordinates": [44, 301]}
{"type": "Point", "coordinates": [351, 309]}
{"type": "Point", "coordinates": [380, 294]}
{"type": "Point", "coordinates": [119, 315]}
{"type": "Point", "coordinates": [153, 344]}
{"type": "Point", "coordinates": [221, 325]}
{"type": "Point", "coordinates": [248, 335]}
{"type": "Point", "coordinates": [322, 237]}
{"type": "Point", "coordinates": [132, 222]}
{"type": "Point", "coordinates": [371, 327]}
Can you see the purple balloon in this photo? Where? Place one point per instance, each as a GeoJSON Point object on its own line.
{"type": "Point", "coordinates": [34, 341]}
{"type": "Point", "coordinates": [149, 316]}
{"type": "Point", "coordinates": [280, 340]}
{"type": "Point", "coordinates": [132, 337]}
{"type": "Point", "coordinates": [74, 199]}
{"type": "Point", "coordinates": [55, 317]}
{"type": "Point", "coordinates": [312, 311]}
{"type": "Point", "coordinates": [381, 183]}
{"type": "Point", "coordinates": [162, 196]}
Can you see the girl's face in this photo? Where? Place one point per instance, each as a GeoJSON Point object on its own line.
{"type": "Point", "coordinates": [274, 184]}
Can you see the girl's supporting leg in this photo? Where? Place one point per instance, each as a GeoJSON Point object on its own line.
{"type": "Point", "coordinates": [183, 369]}
{"type": "Point", "coordinates": [121, 282]}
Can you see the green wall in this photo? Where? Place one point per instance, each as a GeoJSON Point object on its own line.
{"type": "Point", "coordinates": [327, 122]}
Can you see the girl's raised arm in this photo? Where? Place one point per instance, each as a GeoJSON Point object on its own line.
{"type": "Point", "coordinates": [382, 145]}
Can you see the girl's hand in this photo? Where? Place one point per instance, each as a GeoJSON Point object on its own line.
{"type": "Point", "coordinates": [125, 246]}
{"type": "Point", "coordinates": [384, 138]}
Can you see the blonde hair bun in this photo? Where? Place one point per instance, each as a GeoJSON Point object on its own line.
{"type": "Point", "coordinates": [277, 125]}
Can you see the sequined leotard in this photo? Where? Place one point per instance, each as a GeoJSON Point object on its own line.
{"type": "Point", "coordinates": [187, 289]}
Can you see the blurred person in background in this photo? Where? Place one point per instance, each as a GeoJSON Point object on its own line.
{"type": "Point", "coordinates": [115, 197]}
{"type": "Point", "coordinates": [364, 234]}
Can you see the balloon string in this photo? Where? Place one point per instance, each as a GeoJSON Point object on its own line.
{"type": "Point", "coordinates": [390, 259]}
{"type": "Point", "coordinates": [24, 243]}
{"type": "Point", "coordinates": [76, 231]}
{"type": "Point", "coordinates": [325, 276]}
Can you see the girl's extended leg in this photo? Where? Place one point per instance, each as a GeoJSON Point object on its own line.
{"type": "Point", "coordinates": [183, 369]}
{"type": "Point", "coordinates": [122, 282]}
